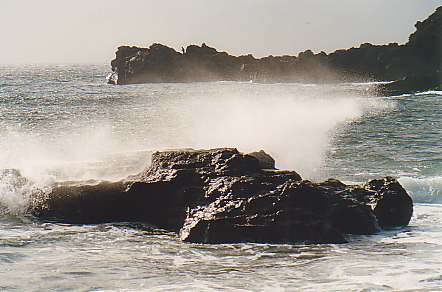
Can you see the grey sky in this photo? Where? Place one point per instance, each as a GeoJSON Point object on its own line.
{"type": "Point", "coordinates": [59, 31]}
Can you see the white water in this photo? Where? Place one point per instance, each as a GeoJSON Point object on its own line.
{"type": "Point", "coordinates": [424, 190]}
{"type": "Point", "coordinates": [82, 129]}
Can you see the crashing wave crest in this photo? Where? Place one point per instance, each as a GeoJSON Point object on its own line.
{"type": "Point", "coordinates": [15, 192]}
{"type": "Point", "coordinates": [424, 190]}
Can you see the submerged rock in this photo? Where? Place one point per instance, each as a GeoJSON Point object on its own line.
{"type": "Point", "coordinates": [224, 196]}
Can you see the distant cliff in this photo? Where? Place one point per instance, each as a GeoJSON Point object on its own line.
{"type": "Point", "coordinates": [418, 60]}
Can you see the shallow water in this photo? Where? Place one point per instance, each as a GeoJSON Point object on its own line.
{"type": "Point", "coordinates": [60, 123]}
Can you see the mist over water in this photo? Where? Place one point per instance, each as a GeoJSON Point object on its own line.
{"type": "Point", "coordinates": [63, 123]}
{"type": "Point", "coordinates": [68, 125]}
{"type": "Point", "coordinates": [66, 129]}
{"type": "Point", "coordinates": [294, 126]}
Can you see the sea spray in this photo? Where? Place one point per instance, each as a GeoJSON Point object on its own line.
{"type": "Point", "coordinates": [83, 155]}
{"type": "Point", "coordinates": [16, 192]}
{"type": "Point", "coordinates": [295, 130]}
{"type": "Point", "coordinates": [293, 123]}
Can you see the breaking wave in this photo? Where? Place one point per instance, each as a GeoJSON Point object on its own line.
{"type": "Point", "coordinates": [424, 190]}
{"type": "Point", "coordinates": [15, 192]}
{"type": "Point", "coordinates": [436, 92]}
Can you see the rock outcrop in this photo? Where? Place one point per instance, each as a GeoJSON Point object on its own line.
{"type": "Point", "coordinates": [412, 83]}
{"type": "Point", "coordinates": [222, 195]}
{"type": "Point", "coordinates": [420, 56]}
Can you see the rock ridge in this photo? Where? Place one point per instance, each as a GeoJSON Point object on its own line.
{"type": "Point", "coordinates": [415, 66]}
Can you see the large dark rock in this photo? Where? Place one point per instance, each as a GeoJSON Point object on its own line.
{"type": "Point", "coordinates": [295, 211]}
{"type": "Point", "coordinates": [392, 205]}
{"type": "Point", "coordinates": [420, 56]}
{"type": "Point", "coordinates": [222, 195]}
{"type": "Point", "coordinates": [161, 195]}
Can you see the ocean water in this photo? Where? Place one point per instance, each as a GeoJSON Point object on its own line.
{"type": "Point", "coordinates": [64, 123]}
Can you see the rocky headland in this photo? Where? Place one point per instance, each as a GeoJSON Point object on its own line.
{"type": "Point", "coordinates": [224, 196]}
{"type": "Point", "coordinates": [413, 66]}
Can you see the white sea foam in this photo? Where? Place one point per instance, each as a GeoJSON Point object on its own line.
{"type": "Point", "coordinates": [437, 92]}
{"type": "Point", "coordinates": [15, 191]}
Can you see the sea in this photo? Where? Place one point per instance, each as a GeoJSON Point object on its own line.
{"type": "Point", "coordinates": [65, 123]}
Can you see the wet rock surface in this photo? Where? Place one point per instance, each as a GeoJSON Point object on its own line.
{"type": "Point", "coordinates": [224, 196]}
{"type": "Point", "coordinates": [416, 65]}
{"type": "Point", "coordinates": [412, 83]}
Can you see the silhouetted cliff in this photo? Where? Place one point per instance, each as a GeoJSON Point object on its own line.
{"type": "Point", "coordinates": [419, 59]}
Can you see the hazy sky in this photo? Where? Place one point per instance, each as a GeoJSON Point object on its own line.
{"type": "Point", "coordinates": [61, 31]}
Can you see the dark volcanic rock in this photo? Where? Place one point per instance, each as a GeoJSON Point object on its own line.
{"type": "Point", "coordinates": [222, 195]}
{"type": "Point", "coordinates": [392, 205]}
{"type": "Point", "coordinates": [417, 64]}
{"type": "Point", "coordinates": [426, 41]}
{"type": "Point", "coordinates": [412, 83]}
{"type": "Point", "coordinates": [265, 161]}
{"type": "Point", "coordinates": [295, 211]}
